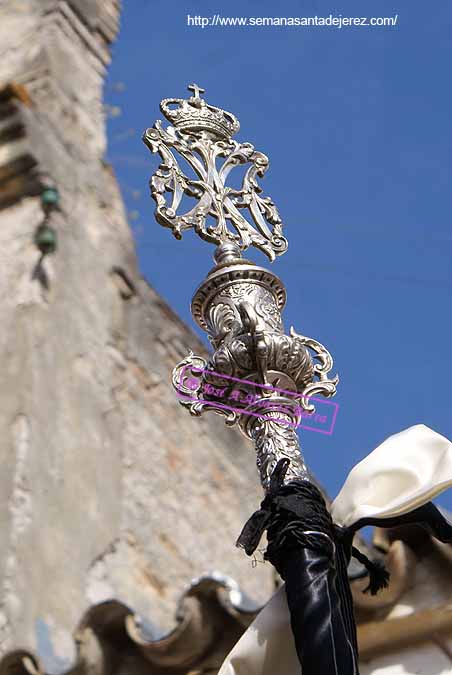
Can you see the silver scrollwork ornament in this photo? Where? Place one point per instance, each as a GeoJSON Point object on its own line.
{"type": "Point", "coordinates": [239, 303]}
{"type": "Point", "coordinates": [202, 136]}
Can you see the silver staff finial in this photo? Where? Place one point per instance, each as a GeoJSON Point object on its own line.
{"type": "Point", "coordinates": [257, 376]}
{"type": "Point", "coordinates": [202, 135]}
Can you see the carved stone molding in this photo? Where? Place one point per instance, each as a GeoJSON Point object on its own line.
{"type": "Point", "coordinates": [381, 637]}
{"type": "Point", "coordinates": [47, 123]}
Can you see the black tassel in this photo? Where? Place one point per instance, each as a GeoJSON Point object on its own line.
{"type": "Point", "coordinates": [255, 526]}
{"type": "Point", "coordinates": [378, 574]}
{"type": "Point", "coordinates": [253, 530]}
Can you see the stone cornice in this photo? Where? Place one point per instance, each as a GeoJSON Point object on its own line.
{"type": "Point", "coordinates": [49, 122]}
{"type": "Point", "coordinates": [209, 622]}
{"type": "Point", "coordinates": [381, 637]}
{"type": "Point", "coordinates": [98, 16]}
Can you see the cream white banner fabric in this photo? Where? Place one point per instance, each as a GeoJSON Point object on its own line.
{"type": "Point", "coordinates": [267, 647]}
{"type": "Point", "coordinates": [406, 471]}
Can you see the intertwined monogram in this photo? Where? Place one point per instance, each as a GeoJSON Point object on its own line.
{"type": "Point", "coordinates": [202, 136]}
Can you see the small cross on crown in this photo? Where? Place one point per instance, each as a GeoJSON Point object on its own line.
{"type": "Point", "coordinates": [194, 114]}
{"type": "Point", "coordinates": [196, 90]}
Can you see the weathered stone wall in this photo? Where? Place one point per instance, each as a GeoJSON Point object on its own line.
{"type": "Point", "coordinates": [108, 488]}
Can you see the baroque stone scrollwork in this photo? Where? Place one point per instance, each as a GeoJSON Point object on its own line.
{"type": "Point", "coordinates": [202, 136]}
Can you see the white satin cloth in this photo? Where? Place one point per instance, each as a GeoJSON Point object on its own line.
{"type": "Point", "coordinates": [406, 471]}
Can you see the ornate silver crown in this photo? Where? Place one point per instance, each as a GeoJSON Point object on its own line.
{"type": "Point", "coordinates": [220, 213]}
{"type": "Point", "coordinates": [194, 114]}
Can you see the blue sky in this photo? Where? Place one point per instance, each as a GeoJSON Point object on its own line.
{"type": "Point", "coordinates": [357, 125]}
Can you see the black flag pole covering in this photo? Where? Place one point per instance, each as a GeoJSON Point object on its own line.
{"type": "Point", "coordinates": [311, 554]}
{"type": "Point", "coordinates": [304, 548]}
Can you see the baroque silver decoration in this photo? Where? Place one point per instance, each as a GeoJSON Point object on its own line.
{"type": "Point", "coordinates": [239, 303]}
{"type": "Point", "coordinates": [274, 441]}
{"type": "Point", "coordinates": [202, 135]}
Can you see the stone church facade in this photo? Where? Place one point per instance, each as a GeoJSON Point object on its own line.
{"type": "Point", "coordinates": [118, 512]}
